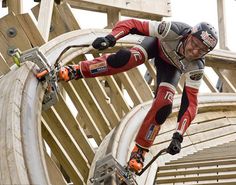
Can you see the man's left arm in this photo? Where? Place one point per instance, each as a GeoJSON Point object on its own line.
{"type": "Point", "coordinates": [188, 108]}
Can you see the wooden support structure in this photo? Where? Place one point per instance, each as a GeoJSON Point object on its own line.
{"type": "Point", "coordinates": [15, 6]}
{"type": "Point", "coordinates": [44, 18]}
{"type": "Point", "coordinates": [134, 8]}
{"type": "Point", "coordinates": [107, 111]}
{"type": "Point", "coordinates": [222, 24]}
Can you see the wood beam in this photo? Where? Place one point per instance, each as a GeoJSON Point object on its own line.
{"type": "Point", "coordinates": [209, 84]}
{"type": "Point", "coordinates": [15, 6]}
{"type": "Point", "coordinates": [150, 9]}
{"type": "Point", "coordinates": [30, 29]}
{"type": "Point", "coordinates": [104, 101]}
{"type": "Point", "coordinates": [4, 68]}
{"type": "Point", "coordinates": [222, 24]}
{"type": "Point", "coordinates": [83, 112]}
{"type": "Point", "coordinates": [64, 159]}
{"type": "Point", "coordinates": [113, 16]}
{"type": "Point", "coordinates": [140, 84]}
{"type": "Point", "coordinates": [230, 87]}
{"type": "Point", "coordinates": [55, 175]}
{"type": "Point", "coordinates": [92, 106]}
{"type": "Point", "coordinates": [64, 138]}
{"type": "Point", "coordinates": [45, 17]}
{"type": "Point", "coordinates": [223, 59]}
{"type": "Point", "coordinates": [12, 36]}
{"type": "Point", "coordinates": [67, 15]}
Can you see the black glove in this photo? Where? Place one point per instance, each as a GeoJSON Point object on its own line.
{"type": "Point", "coordinates": [102, 43]}
{"type": "Point", "coordinates": [175, 145]}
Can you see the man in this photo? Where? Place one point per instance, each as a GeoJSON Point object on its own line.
{"type": "Point", "coordinates": [178, 50]}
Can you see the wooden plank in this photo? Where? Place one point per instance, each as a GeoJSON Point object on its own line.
{"type": "Point", "coordinates": [15, 6]}
{"type": "Point", "coordinates": [92, 106]}
{"type": "Point", "coordinates": [30, 29]}
{"type": "Point", "coordinates": [223, 59]}
{"type": "Point", "coordinates": [113, 16]}
{"type": "Point", "coordinates": [212, 134]}
{"type": "Point", "coordinates": [64, 138]}
{"type": "Point", "coordinates": [208, 126]}
{"type": "Point", "coordinates": [230, 75]}
{"type": "Point", "coordinates": [74, 128]}
{"type": "Point", "coordinates": [226, 81]}
{"type": "Point", "coordinates": [102, 98]}
{"type": "Point", "coordinates": [196, 171]}
{"type": "Point", "coordinates": [104, 101]}
{"type": "Point", "coordinates": [13, 167]}
{"type": "Point", "coordinates": [4, 68]}
{"type": "Point", "coordinates": [151, 69]}
{"type": "Point", "coordinates": [67, 16]}
{"type": "Point", "coordinates": [209, 84]}
{"type": "Point", "coordinates": [198, 164]}
{"type": "Point", "coordinates": [196, 178]}
{"type": "Point", "coordinates": [222, 24]}
{"type": "Point", "coordinates": [44, 18]}
{"type": "Point", "coordinates": [58, 26]}
{"type": "Point", "coordinates": [133, 8]}
{"type": "Point", "coordinates": [209, 116]}
{"type": "Point", "coordinates": [55, 175]}
{"type": "Point", "coordinates": [227, 182]}
{"type": "Point", "coordinates": [140, 84]}
{"type": "Point", "coordinates": [83, 113]}
{"type": "Point", "coordinates": [12, 41]}
{"type": "Point", "coordinates": [117, 93]}
{"type": "Point", "coordinates": [64, 159]}
{"type": "Point", "coordinates": [131, 89]}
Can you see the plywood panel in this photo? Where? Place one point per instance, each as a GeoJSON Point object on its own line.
{"type": "Point", "coordinates": [12, 36]}
{"type": "Point", "coordinates": [133, 8]}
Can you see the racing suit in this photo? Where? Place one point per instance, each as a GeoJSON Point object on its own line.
{"type": "Point", "coordinates": [162, 42]}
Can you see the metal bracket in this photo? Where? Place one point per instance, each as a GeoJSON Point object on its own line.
{"type": "Point", "coordinates": [108, 171]}
{"type": "Point", "coordinates": [36, 56]}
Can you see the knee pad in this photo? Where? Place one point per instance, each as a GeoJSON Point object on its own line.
{"type": "Point", "coordinates": [163, 113]}
{"type": "Point", "coordinates": [119, 59]}
{"type": "Point", "coordinates": [164, 102]}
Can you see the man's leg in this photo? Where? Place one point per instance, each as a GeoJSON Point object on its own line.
{"type": "Point", "coordinates": [167, 79]}
{"type": "Point", "coordinates": [123, 60]}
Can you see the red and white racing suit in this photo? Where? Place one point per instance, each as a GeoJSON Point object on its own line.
{"type": "Point", "coordinates": [162, 41]}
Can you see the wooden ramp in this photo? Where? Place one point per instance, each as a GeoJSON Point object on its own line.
{"type": "Point", "coordinates": [23, 158]}
{"type": "Point", "coordinates": [217, 127]}
{"type": "Point", "coordinates": [215, 165]}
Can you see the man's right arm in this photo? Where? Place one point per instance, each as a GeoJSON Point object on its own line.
{"type": "Point", "coordinates": [133, 26]}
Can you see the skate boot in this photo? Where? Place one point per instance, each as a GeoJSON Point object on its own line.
{"type": "Point", "coordinates": [70, 72]}
{"type": "Point", "coordinates": [137, 158]}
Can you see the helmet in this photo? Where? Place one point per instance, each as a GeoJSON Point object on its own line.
{"type": "Point", "coordinates": [205, 33]}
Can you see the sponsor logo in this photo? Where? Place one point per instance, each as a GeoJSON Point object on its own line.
{"type": "Point", "coordinates": [208, 39]}
{"type": "Point", "coordinates": [169, 96]}
{"type": "Point", "coordinates": [161, 27]}
{"type": "Point", "coordinates": [137, 55]}
{"type": "Point", "coordinates": [98, 67]}
{"type": "Point", "coordinates": [196, 76]}
{"type": "Point", "coordinates": [152, 132]}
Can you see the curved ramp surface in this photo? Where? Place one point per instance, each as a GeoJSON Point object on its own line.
{"type": "Point", "coordinates": [121, 140]}
{"type": "Point", "coordinates": [22, 156]}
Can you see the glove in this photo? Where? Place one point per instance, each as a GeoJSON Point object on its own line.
{"type": "Point", "coordinates": [175, 145]}
{"type": "Point", "coordinates": [102, 43]}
